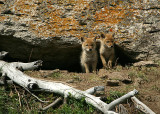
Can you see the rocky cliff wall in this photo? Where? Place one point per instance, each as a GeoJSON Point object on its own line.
{"type": "Point", "coordinates": [50, 29]}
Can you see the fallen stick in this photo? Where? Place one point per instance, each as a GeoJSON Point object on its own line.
{"type": "Point", "coordinates": [139, 105]}
{"type": "Point", "coordinates": [35, 96]}
{"type": "Point", "coordinates": [19, 96]}
{"type": "Point", "coordinates": [53, 104]}
{"type": "Point", "coordinates": [122, 99]}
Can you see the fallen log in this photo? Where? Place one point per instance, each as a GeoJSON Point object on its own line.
{"type": "Point", "coordinates": [10, 70]}
{"type": "Point", "coordinates": [142, 107]}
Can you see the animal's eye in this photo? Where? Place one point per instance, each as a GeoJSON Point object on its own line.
{"type": "Point", "coordinates": [107, 41]}
{"type": "Point", "coordinates": [91, 44]}
{"type": "Point", "coordinates": [86, 44]}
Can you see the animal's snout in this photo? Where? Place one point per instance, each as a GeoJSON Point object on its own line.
{"type": "Point", "coordinates": [90, 49]}
{"type": "Point", "coordinates": [111, 46]}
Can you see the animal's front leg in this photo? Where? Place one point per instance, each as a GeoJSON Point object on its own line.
{"type": "Point", "coordinates": [111, 59]}
{"type": "Point", "coordinates": [86, 67]}
{"type": "Point", "coordinates": [103, 61]}
{"type": "Point", "coordinates": [110, 64]}
{"type": "Point", "coordinates": [94, 66]}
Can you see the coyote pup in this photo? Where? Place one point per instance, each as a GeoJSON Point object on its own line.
{"type": "Point", "coordinates": [89, 55]}
{"type": "Point", "coordinates": [107, 52]}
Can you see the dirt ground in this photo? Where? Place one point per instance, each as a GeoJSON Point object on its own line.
{"type": "Point", "coordinates": [122, 79]}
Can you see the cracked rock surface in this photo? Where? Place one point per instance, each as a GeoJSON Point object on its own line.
{"type": "Point", "coordinates": [50, 30]}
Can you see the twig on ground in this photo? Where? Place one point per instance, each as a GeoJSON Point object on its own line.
{"type": "Point", "coordinates": [25, 100]}
{"type": "Point", "coordinates": [19, 99]}
{"type": "Point", "coordinates": [122, 109]}
{"type": "Point", "coordinates": [53, 104]}
{"type": "Point", "coordinates": [35, 96]}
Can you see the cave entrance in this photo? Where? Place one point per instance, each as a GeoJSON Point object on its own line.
{"type": "Point", "coordinates": [55, 55]}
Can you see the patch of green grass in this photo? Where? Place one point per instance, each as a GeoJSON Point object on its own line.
{"type": "Point", "coordinates": [10, 104]}
{"type": "Point", "coordinates": [157, 61]}
{"type": "Point", "coordinates": [56, 75]}
{"type": "Point", "coordinates": [132, 74]}
{"type": "Point", "coordinates": [75, 106]}
{"type": "Point", "coordinates": [137, 74]}
{"type": "Point", "coordinates": [6, 103]}
{"type": "Point", "coordinates": [114, 95]}
{"type": "Point", "coordinates": [118, 68]}
{"type": "Point", "coordinates": [155, 87]}
{"type": "Point", "coordinates": [140, 74]}
{"type": "Point", "coordinates": [77, 78]}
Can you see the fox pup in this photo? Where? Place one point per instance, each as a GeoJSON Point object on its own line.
{"type": "Point", "coordinates": [89, 55]}
{"type": "Point", "coordinates": [107, 52]}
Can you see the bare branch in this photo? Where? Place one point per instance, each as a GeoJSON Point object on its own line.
{"type": "Point", "coordinates": [94, 89]}
{"type": "Point", "coordinates": [139, 105]}
{"type": "Point", "coordinates": [122, 99]}
{"type": "Point", "coordinates": [35, 96]}
{"type": "Point", "coordinates": [53, 104]}
{"type": "Point", "coordinates": [27, 66]}
{"type": "Point", "coordinates": [18, 96]}
{"type": "Point", "coordinates": [3, 54]}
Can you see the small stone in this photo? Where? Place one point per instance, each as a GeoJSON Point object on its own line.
{"type": "Point", "coordinates": [113, 83]}
{"type": "Point", "coordinates": [56, 70]}
{"type": "Point", "coordinates": [145, 63]}
{"type": "Point", "coordinates": [70, 81]}
{"type": "Point", "coordinates": [64, 71]}
{"type": "Point", "coordinates": [102, 73]}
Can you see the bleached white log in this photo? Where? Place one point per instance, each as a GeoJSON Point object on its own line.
{"type": "Point", "coordinates": [27, 66]}
{"type": "Point", "coordinates": [3, 54]}
{"type": "Point", "coordinates": [33, 84]}
{"type": "Point", "coordinates": [122, 99]}
{"type": "Point", "coordinates": [139, 105]}
{"type": "Point", "coordinates": [89, 91]}
{"type": "Point", "coordinates": [94, 89]}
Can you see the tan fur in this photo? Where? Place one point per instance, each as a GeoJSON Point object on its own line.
{"type": "Point", "coordinates": [107, 52]}
{"type": "Point", "coordinates": [89, 55]}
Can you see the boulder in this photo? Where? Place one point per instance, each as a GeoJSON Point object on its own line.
{"type": "Point", "coordinates": [50, 30]}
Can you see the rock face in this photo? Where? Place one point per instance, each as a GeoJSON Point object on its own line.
{"type": "Point", "coordinates": [50, 29]}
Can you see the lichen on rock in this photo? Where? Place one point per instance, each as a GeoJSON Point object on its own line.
{"type": "Point", "coordinates": [136, 24]}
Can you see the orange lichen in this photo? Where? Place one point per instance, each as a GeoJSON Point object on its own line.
{"type": "Point", "coordinates": [2, 18]}
{"type": "Point", "coordinates": [55, 23]}
{"type": "Point", "coordinates": [110, 15]}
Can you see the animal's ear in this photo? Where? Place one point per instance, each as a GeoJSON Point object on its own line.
{"type": "Point", "coordinates": [102, 35]}
{"type": "Point", "coordinates": [82, 39]}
